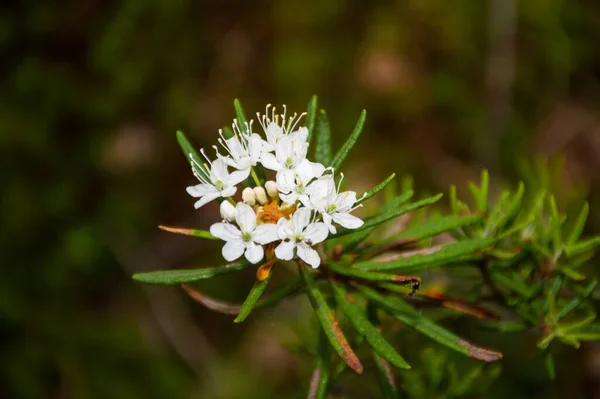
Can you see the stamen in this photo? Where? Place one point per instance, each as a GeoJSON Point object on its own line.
{"type": "Point", "coordinates": [205, 157]}
{"type": "Point", "coordinates": [297, 120]}
{"type": "Point", "coordinates": [340, 182]}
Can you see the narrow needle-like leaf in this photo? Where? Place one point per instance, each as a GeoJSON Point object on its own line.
{"type": "Point", "coordinates": [372, 276]}
{"type": "Point", "coordinates": [311, 116]}
{"type": "Point", "coordinates": [419, 262]}
{"type": "Point", "coordinates": [376, 189]}
{"type": "Point", "coordinates": [328, 322]}
{"type": "Point", "coordinates": [321, 375]}
{"type": "Point", "coordinates": [251, 300]}
{"type": "Point", "coordinates": [579, 224]}
{"type": "Point", "coordinates": [359, 320]}
{"type": "Point", "coordinates": [189, 232]}
{"type": "Point", "coordinates": [397, 308]}
{"type": "Point", "coordinates": [323, 147]}
{"type": "Point", "coordinates": [377, 220]}
{"type": "Point", "coordinates": [188, 275]}
{"type": "Point", "coordinates": [190, 153]}
{"type": "Point", "coordinates": [385, 377]}
{"type": "Point", "coordinates": [350, 142]}
{"type": "Point", "coordinates": [240, 114]}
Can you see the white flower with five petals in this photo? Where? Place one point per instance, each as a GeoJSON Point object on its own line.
{"type": "Point", "coordinates": [248, 239]}
{"type": "Point", "coordinates": [243, 149]}
{"type": "Point", "coordinates": [218, 183]}
{"type": "Point", "coordinates": [295, 185]}
{"type": "Point", "coordinates": [332, 205]}
{"type": "Point", "coordinates": [299, 235]}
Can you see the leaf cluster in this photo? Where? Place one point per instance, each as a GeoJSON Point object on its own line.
{"type": "Point", "coordinates": [530, 269]}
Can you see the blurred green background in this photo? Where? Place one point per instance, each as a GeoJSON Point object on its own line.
{"type": "Point", "coordinates": [92, 93]}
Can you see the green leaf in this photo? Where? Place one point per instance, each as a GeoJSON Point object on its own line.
{"type": "Point", "coordinates": [252, 299]}
{"type": "Point", "coordinates": [418, 262]}
{"type": "Point", "coordinates": [392, 214]}
{"type": "Point", "coordinates": [430, 229]}
{"type": "Point", "coordinates": [582, 246]}
{"type": "Point", "coordinates": [579, 225]}
{"type": "Point", "coordinates": [376, 189]}
{"type": "Point", "coordinates": [516, 284]}
{"type": "Point", "coordinates": [350, 142]}
{"type": "Point", "coordinates": [323, 147]}
{"type": "Point", "coordinates": [240, 115]}
{"type": "Point", "coordinates": [574, 303]}
{"type": "Point", "coordinates": [189, 232]}
{"type": "Point", "coordinates": [549, 363]}
{"type": "Point", "coordinates": [321, 374]}
{"type": "Point", "coordinates": [370, 276]}
{"type": "Point", "coordinates": [280, 293]}
{"type": "Point", "coordinates": [385, 377]}
{"type": "Point", "coordinates": [311, 116]}
{"type": "Point", "coordinates": [555, 225]}
{"type": "Point", "coordinates": [513, 208]}
{"type": "Point", "coordinates": [188, 275]}
{"type": "Point", "coordinates": [397, 308]}
{"type": "Point", "coordinates": [192, 155]}
{"type": "Point", "coordinates": [359, 320]}
{"type": "Point", "coordinates": [483, 192]}
{"type": "Point", "coordinates": [329, 323]}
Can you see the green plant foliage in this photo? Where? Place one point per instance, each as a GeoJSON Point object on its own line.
{"type": "Point", "coordinates": [524, 264]}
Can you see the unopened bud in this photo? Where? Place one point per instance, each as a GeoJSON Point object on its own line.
{"type": "Point", "coordinates": [227, 211]}
{"type": "Point", "coordinates": [261, 196]}
{"type": "Point", "coordinates": [272, 189]}
{"type": "Point", "coordinates": [248, 196]}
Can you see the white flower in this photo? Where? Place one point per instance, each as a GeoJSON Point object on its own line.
{"type": "Point", "coordinates": [276, 126]}
{"type": "Point", "coordinates": [243, 149]}
{"type": "Point", "coordinates": [218, 183]}
{"type": "Point", "coordinates": [248, 239]}
{"type": "Point", "coordinates": [300, 234]}
{"type": "Point", "coordinates": [334, 206]}
{"type": "Point", "coordinates": [294, 185]}
{"type": "Point", "coordinates": [290, 150]}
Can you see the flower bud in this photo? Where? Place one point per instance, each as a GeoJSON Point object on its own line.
{"type": "Point", "coordinates": [261, 196]}
{"type": "Point", "coordinates": [272, 189]}
{"type": "Point", "coordinates": [227, 211]}
{"type": "Point", "coordinates": [248, 196]}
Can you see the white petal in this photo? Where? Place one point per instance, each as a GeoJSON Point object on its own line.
{"type": "Point", "coordinates": [235, 147]}
{"type": "Point", "coordinates": [269, 161]}
{"type": "Point", "coordinates": [309, 255]}
{"type": "Point", "coordinates": [201, 190]}
{"type": "Point", "coordinates": [301, 219]}
{"type": "Point", "coordinates": [228, 192]}
{"type": "Point", "coordinates": [254, 253]}
{"type": "Point", "coordinates": [218, 170]}
{"type": "Point", "coordinates": [289, 198]}
{"type": "Point", "coordinates": [225, 231]}
{"type": "Point", "coordinates": [309, 170]}
{"type": "Point", "coordinates": [345, 201]}
{"type": "Point", "coordinates": [347, 220]}
{"type": "Point", "coordinates": [285, 250]}
{"type": "Point", "coordinates": [316, 233]}
{"type": "Point", "coordinates": [300, 135]}
{"type": "Point", "coordinates": [205, 200]}
{"type": "Point", "coordinates": [255, 147]}
{"type": "Point", "coordinates": [245, 217]}
{"type": "Point", "coordinates": [238, 176]}
{"type": "Point", "coordinates": [233, 250]}
{"type": "Point", "coordinates": [286, 180]}
{"type": "Point", "coordinates": [285, 229]}
{"type": "Point", "coordinates": [265, 233]}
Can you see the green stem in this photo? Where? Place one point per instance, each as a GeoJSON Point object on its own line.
{"type": "Point", "coordinates": [231, 200]}
{"type": "Point", "coordinates": [255, 177]}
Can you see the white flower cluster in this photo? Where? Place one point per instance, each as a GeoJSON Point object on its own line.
{"type": "Point", "coordinates": [298, 209]}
